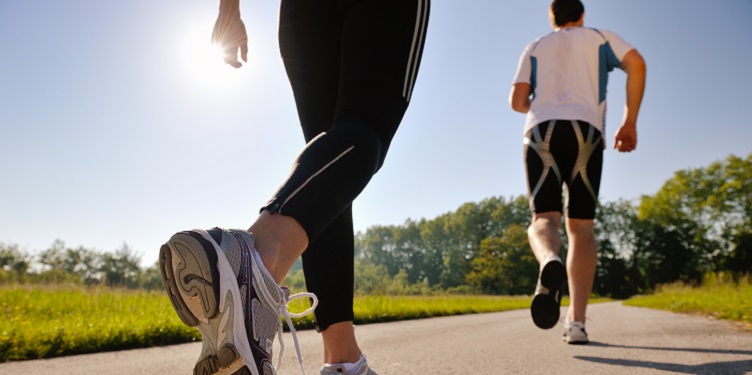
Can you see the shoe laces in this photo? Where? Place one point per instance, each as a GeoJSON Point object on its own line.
{"type": "Point", "coordinates": [283, 309]}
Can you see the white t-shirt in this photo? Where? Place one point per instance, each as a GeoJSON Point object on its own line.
{"type": "Point", "coordinates": [568, 71]}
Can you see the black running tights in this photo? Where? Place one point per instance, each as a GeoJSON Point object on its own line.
{"type": "Point", "coordinates": [352, 65]}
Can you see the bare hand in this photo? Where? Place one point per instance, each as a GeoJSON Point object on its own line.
{"type": "Point", "coordinates": [230, 35]}
{"type": "Point", "coordinates": [625, 139]}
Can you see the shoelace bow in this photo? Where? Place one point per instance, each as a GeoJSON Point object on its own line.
{"type": "Point", "coordinates": [282, 308]}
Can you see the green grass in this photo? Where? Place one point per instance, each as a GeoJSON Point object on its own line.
{"type": "Point", "coordinates": [379, 309]}
{"type": "Point", "coordinates": [44, 322]}
{"type": "Point", "coordinates": [51, 321]}
{"type": "Point", "coordinates": [719, 296]}
{"type": "Point", "coordinates": [375, 309]}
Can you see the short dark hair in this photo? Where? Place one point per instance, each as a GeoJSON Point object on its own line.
{"type": "Point", "coordinates": [566, 11]}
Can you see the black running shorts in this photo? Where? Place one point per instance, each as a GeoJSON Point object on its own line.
{"type": "Point", "coordinates": [564, 153]}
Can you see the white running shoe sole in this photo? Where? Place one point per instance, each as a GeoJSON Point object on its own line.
{"type": "Point", "coordinates": [204, 293]}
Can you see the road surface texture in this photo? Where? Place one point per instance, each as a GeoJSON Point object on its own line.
{"type": "Point", "coordinates": [624, 340]}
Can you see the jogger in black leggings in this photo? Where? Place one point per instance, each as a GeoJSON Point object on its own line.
{"type": "Point", "coordinates": [352, 65]}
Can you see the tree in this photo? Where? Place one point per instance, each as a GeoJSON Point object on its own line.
{"type": "Point", "coordinates": [371, 278]}
{"type": "Point", "coordinates": [377, 246]}
{"type": "Point", "coordinates": [506, 264]}
{"type": "Point", "coordinates": [121, 268]}
{"type": "Point", "coordinates": [151, 277]}
{"type": "Point", "coordinates": [53, 258]}
{"type": "Point", "coordinates": [704, 212]}
{"type": "Point", "coordinates": [410, 252]}
{"type": "Point", "coordinates": [616, 236]}
{"type": "Point", "coordinates": [14, 263]}
{"type": "Point", "coordinates": [84, 263]}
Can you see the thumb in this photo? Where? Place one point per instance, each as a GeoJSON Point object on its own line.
{"type": "Point", "coordinates": [244, 52]}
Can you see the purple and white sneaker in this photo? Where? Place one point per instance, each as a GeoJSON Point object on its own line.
{"type": "Point", "coordinates": [217, 283]}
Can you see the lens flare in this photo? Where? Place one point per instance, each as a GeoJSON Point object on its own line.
{"type": "Point", "coordinates": [203, 63]}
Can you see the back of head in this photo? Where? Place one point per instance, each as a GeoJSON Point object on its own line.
{"type": "Point", "coordinates": [566, 11]}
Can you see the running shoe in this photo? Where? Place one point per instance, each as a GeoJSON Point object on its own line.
{"type": "Point", "coordinates": [574, 332]}
{"type": "Point", "coordinates": [547, 300]}
{"type": "Point", "coordinates": [361, 368]}
{"type": "Point", "coordinates": [217, 283]}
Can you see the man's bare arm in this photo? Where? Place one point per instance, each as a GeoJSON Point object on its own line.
{"type": "Point", "coordinates": [519, 97]}
{"type": "Point", "coordinates": [229, 33]}
{"type": "Point", "coordinates": [625, 139]}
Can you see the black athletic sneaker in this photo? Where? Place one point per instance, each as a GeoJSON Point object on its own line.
{"type": "Point", "coordinates": [218, 284]}
{"type": "Point", "coordinates": [547, 300]}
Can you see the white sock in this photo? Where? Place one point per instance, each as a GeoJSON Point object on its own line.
{"type": "Point", "coordinates": [349, 366]}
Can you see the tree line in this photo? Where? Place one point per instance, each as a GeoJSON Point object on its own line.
{"type": "Point", "coordinates": [700, 221]}
{"type": "Point", "coordinates": [61, 264]}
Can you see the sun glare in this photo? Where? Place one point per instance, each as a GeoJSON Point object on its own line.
{"type": "Point", "coordinates": [202, 61]}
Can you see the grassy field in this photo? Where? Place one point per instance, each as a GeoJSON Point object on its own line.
{"type": "Point", "coordinates": [719, 296]}
{"type": "Point", "coordinates": [45, 322]}
{"type": "Point", "coordinates": [51, 321]}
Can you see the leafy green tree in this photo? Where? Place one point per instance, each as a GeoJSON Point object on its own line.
{"type": "Point", "coordinates": [435, 245]}
{"type": "Point", "coordinates": [506, 264]}
{"type": "Point", "coordinates": [84, 263]}
{"type": "Point", "coordinates": [704, 212]}
{"type": "Point", "coordinates": [739, 259]}
{"type": "Point", "coordinates": [515, 211]}
{"type": "Point", "coordinates": [410, 252]}
{"type": "Point", "coordinates": [464, 230]}
{"type": "Point", "coordinates": [370, 278]}
{"type": "Point", "coordinates": [151, 277]}
{"type": "Point", "coordinates": [14, 263]}
{"type": "Point", "coordinates": [53, 261]}
{"type": "Point", "coordinates": [61, 262]}
{"type": "Point", "coordinates": [53, 258]}
{"type": "Point", "coordinates": [443, 265]}
{"type": "Point", "coordinates": [121, 268]}
{"type": "Point", "coordinates": [377, 246]}
{"type": "Point", "coordinates": [616, 236]}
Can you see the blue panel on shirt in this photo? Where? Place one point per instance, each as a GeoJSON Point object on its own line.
{"type": "Point", "coordinates": [607, 63]}
{"type": "Point", "coordinates": [533, 78]}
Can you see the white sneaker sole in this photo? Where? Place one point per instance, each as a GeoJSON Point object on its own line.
{"type": "Point", "coordinates": [215, 310]}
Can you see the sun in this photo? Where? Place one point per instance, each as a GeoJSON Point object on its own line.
{"type": "Point", "coordinates": [202, 62]}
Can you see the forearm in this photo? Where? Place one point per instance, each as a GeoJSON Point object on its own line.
{"type": "Point", "coordinates": [523, 107]}
{"type": "Point", "coordinates": [636, 75]}
{"type": "Point", "coordinates": [519, 97]}
{"type": "Point", "coordinates": [229, 33]}
{"type": "Point", "coordinates": [229, 8]}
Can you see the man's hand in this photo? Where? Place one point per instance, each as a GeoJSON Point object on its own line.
{"type": "Point", "coordinates": [230, 36]}
{"type": "Point", "coordinates": [625, 139]}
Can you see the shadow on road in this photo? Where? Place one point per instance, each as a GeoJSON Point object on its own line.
{"type": "Point", "coordinates": [732, 367]}
{"type": "Point", "coordinates": [691, 350]}
{"type": "Point", "coordinates": [739, 367]}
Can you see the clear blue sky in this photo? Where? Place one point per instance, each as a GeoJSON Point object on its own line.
{"type": "Point", "coordinates": [113, 131]}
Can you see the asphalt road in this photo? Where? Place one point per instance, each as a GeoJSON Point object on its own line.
{"type": "Point", "coordinates": [624, 340]}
